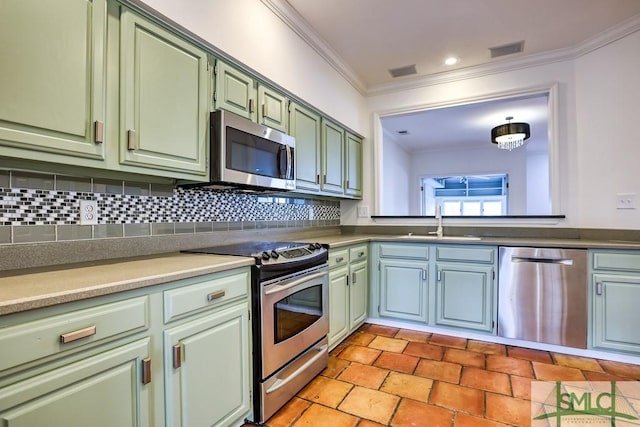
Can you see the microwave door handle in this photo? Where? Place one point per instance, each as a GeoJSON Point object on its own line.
{"type": "Point", "coordinates": [282, 169]}
{"type": "Point", "coordinates": [289, 163]}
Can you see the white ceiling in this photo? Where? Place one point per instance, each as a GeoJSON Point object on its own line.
{"type": "Point", "coordinates": [373, 36]}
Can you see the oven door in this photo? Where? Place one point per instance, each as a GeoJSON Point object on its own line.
{"type": "Point", "coordinates": [295, 315]}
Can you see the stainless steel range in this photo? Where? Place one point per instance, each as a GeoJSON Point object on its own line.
{"type": "Point", "coordinates": [290, 322]}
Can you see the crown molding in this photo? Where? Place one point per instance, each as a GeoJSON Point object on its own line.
{"type": "Point", "coordinates": [296, 22]}
{"type": "Point", "coordinates": [287, 14]}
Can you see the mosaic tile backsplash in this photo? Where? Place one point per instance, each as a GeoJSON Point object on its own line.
{"type": "Point", "coordinates": [37, 207]}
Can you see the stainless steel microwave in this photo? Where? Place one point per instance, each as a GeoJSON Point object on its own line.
{"type": "Point", "coordinates": [247, 155]}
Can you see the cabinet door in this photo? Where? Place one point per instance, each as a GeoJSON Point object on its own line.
{"type": "Point", "coordinates": [353, 165]}
{"type": "Point", "coordinates": [235, 91]}
{"type": "Point", "coordinates": [272, 109]}
{"type": "Point", "coordinates": [102, 391]}
{"type": "Point", "coordinates": [332, 158]}
{"type": "Point", "coordinates": [403, 289]}
{"type": "Point", "coordinates": [304, 126]}
{"type": "Point", "coordinates": [615, 312]}
{"type": "Point", "coordinates": [357, 294]}
{"type": "Point", "coordinates": [207, 373]}
{"type": "Point", "coordinates": [464, 296]}
{"type": "Point", "coordinates": [163, 99]}
{"type": "Point", "coordinates": [338, 304]}
{"type": "Point", "coordinates": [53, 79]}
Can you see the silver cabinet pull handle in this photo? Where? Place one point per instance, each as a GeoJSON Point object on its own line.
{"type": "Point", "coordinates": [353, 278]}
{"type": "Point", "coordinates": [177, 356]}
{"type": "Point", "coordinates": [76, 335]}
{"type": "Point", "coordinates": [215, 295]}
{"type": "Point", "coordinates": [339, 259]}
{"type": "Point", "coordinates": [98, 132]}
{"type": "Point", "coordinates": [146, 370]}
{"type": "Point", "coordinates": [424, 274]}
{"type": "Point", "coordinates": [131, 139]}
{"type": "Point", "coordinates": [360, 255]}
{"type": "Point", "coordinates": [598, 288]}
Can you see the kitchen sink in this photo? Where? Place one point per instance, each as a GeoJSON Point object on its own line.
{"type": "Point", "coordinates": [412, 236]}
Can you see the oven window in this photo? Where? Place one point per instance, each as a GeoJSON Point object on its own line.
{"type": "Point", "coordinates": [297, 312]}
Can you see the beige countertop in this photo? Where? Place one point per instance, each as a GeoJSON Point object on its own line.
{"type": "Point", "coordinates": [28, 289]}
{"type": "Point", "coordinates": [341, 240]}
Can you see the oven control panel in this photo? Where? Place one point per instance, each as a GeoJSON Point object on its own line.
{"type": "Point", "coordinates": [291, 254]}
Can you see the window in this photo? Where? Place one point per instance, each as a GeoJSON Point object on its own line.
{"type": "Point", "coordinates": [468, 195]}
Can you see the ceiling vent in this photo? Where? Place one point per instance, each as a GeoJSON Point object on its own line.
{"type": "Point", "coordinates": [403, 71]}
{"type": "Point", "coordinates": [507, 49]}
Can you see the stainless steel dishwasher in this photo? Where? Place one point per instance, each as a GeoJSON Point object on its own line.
{"type": "Point", "coordinates": [542, 295]}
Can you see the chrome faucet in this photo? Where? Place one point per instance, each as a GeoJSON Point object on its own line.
{"type": "Point", "coordinates": [438, 231]}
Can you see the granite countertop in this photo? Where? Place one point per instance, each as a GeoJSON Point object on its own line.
{"type": "Point", "coordinates": [28, 289]}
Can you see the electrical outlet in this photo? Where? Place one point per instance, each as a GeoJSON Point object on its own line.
{"type": "Point", "coordinates": [311, 213]}
{"type": "Point", "coordinates": [88, 212]}
{"type": "Point", "coordinates": [626, 201]}
{"type": "Point", "coordinates": [363, 211]}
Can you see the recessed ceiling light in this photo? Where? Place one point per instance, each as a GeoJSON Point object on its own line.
{"type": "Point", "coordinates": [452, 60]}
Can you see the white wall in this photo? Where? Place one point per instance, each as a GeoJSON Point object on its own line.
{"type": "Point", "coordinates": [538, 198]}
{"type": "Point", "coordinates": [477, 161]}
{"type": "Point", "coordinates": [608, 114]}
{"type": "Point", "coordinates": [395, 179]}
{"type": "Point", "coordinates": [252, 34]}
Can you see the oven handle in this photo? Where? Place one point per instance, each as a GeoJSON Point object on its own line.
{"type": "Point", "coordinates": [283, 382]}
{"type": "Point", "coordinates": [280, 288]}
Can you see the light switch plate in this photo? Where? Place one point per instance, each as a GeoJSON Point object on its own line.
{"type": "Point", "coordinates": [88, 212]}
{"type": "Point", "coordinates": [627, 201]}
{"type": "Point", "coordinates": [363, 211]}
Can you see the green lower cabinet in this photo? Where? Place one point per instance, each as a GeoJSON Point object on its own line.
{"type": "Point", "coordinates": [464, 296]}
{"type": "Point", "coordinates": [103, 390]}
{"type": "Point", "coordinates": [207, 369]}
{"type": "Point", "coordinates": [358, 291]}
{"type": "Point", "coordinates": [338, 304]}
{"type": "Point", "coordinates": [403, 289]}
{"type": "Point", "coordinates": [615, 314]}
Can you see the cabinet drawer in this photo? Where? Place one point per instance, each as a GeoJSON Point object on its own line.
{"type": "Point", "coordinates": [33, 340]}
{"type": "Point", "coordinates": [616, 261]}
{"type": "Point", "coordinates": [466, 254]}
{"type": "Point", "coordinates": [358, 253]}
{"type": "Point", "coordinates": [404, 251]}
{"type": "Point", "coordinates": [204, 292]}
{"type": "Point", "coordinates": [338, 257]}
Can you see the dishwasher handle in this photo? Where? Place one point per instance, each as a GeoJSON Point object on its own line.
{"type": "Point", "coordinates": [540, 260]}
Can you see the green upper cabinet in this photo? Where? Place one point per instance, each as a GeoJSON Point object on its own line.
{"type": "Point", "coordinates": [304, 126]}
{"type": "Point", "coordinates": [332, 158]}
{"type": "Point", "coordinates": [273, 108]}
{"type": "Point", "coordinates": [353, 165]}
{"type": "Point", "coordinates": [53, 80]}
{"type": "Point", "coordinates": [234, 91]}
{"type": "Point", "coordinates": [163, 99]}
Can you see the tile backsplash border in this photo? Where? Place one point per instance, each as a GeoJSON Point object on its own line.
{"type": "Point", "coordinates": [42, 207]}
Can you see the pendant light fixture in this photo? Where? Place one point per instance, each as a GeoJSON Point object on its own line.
{"type": "Point", "coordinates": [510, 135]}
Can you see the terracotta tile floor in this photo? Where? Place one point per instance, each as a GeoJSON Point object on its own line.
{"type": "Point", "coordinates": [398, 377]}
